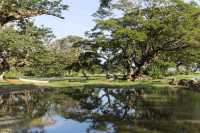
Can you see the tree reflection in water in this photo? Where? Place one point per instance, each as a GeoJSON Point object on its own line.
{"type": "Point", "coordinates": [119, 103]}
{"type": "Point", "coordinates": [103, 110]}
{"type": "Point", "coordinates": [106, 106]}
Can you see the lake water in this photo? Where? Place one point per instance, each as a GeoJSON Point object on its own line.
{"type": "Point", "coordinates": [99, 110]}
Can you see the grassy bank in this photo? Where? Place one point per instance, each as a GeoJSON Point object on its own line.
{"type": "Point", "coordinates": [155, 84]}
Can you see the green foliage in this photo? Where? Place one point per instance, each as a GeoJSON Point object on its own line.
{"type": "Point", "coordinates": [167, 30]}
{"type": "Point", "coordinates": [45, 64]}
{"type": "Point", "coordinates": [105, 3]}
{"type": "Point", "coordinates": [158, 68]}
{"type": "Point", "coordinates": [188, 58]}
{"type": "Point", "coordinates": [17, 46]}
{"type": "Point", "coordinates": [145, 32]}
{"type": "Point", "coordinates": [13, 74]}
{"type": "Point", "coordinates": [42, 34]}
{"type": "Point", "coordinates": [14, 48]}
{"type": "Point", "coordinates": [12, 10]}
{"type": "Point", "coordinates": [55, 59]}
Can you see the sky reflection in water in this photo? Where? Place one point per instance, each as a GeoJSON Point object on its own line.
{"type": "Point", "coordinates": [99, 111]}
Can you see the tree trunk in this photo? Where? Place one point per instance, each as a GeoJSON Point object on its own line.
{"type": "Point", "coordinates": [84, 74]}
{"type": "Point", "coordinates": [107, 74]}
{"type": "Point", "coordinates": [69, 72]}
{"type": "Point", "coordinates": [178, 67]}
{"type": "Point", "coordinates": [188, 69]}
{"type": "Point", "coordinates": [2, 76]}
{"type": "Point", "coordinates": [134, 74]}
{"type": "Point", "coordinates": [126, 74]}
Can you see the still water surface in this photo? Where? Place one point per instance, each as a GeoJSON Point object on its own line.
{"type": "Point", "coordinates": [99, 110]}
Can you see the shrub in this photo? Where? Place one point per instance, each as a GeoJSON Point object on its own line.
{"type": "Point", "coordinates": [13, 74]}
{"type": "Point", "coordinates": [158, 68]}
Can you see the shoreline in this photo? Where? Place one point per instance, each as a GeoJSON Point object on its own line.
{"type": "Point", "coordinates": [154, 84]}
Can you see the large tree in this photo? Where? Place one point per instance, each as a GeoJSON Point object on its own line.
{"type": "Point", "coordinates": [150, 28]}
{"type": "Point", "coordinates": [17, 43]}
{"type": "Point", "coordinates": [18, 46]}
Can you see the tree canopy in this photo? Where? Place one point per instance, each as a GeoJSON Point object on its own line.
{"type": "Point", "coordinates": [18, 42]}
{"type": "Point", "coordinates": [144, 33]}
{"type": "Point", "coordinates": [17, 46]}
{"type": "Point", "coordinates": [18, 10]}
{"type": "Point", "coordinates": [130, 37]}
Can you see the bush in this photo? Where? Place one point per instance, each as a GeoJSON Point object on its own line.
{"type": "Point", "coordinates": [13, 74]}
{"type": "Point", "coordinates": [158, 68]}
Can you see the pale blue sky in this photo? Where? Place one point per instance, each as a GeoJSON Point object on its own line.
{"type": "Point", "coordinates": [78, 18]}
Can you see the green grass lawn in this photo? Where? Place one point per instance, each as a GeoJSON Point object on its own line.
{"type": "Point", "coordinates": [155, 84]}
{"type": "Point", "coordinates": [189, 76]}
